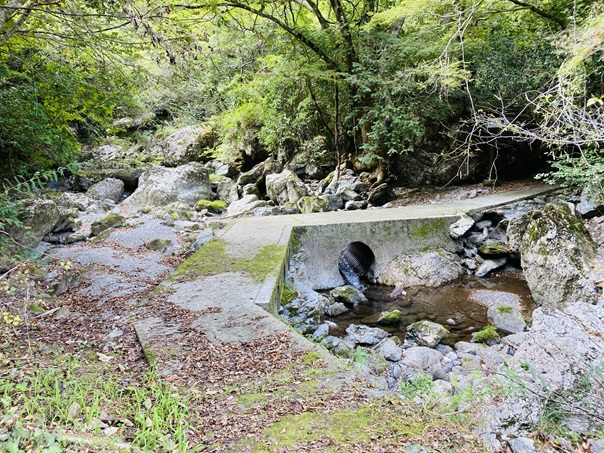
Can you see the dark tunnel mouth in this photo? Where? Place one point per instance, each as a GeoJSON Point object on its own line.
{"type": "Point", "coordinates": [357, 257]}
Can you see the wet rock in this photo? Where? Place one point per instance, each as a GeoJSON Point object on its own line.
{"type": "Point", "coordinates": [388, 318]}
{"type": "Point", "coordinates": [285, 188]}
{"type": "Point", "coordinates": [556, 252]}
{"type": "Point", "coordinates": [489, 266]}
{"type": "Point", "coordinates": [348, 295]}
{"type": "Point", "coordinates": [365, 335]}
{"type": "Point", "coordinates": [421, 358]}
{"type": "Point", "coordinates": [506, 318]}
{"type": "Point", "coordinates": [160, 186]}
{"type": "Point", "coordinates": [431, 268]}
{"type": "Point", "coordinates": [461, 227]}
{"type": "Point", "coordinates": [107, 189]}
{"type": "Point", "coordinates": [426, 333]}
{"type": "Point", "coordinates": [389, 350]}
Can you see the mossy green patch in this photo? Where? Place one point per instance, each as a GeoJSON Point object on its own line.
{"type": "Point", "coordinates": [504, 309]}
{"type": "Point", "coordinates": [488, 335]}
{"type": "Point", "coordinates": [213, 259]}
{"type": "Point", "coordinates": [216, 206]}
{"type": "Point", "coordinates": [112, 220]}
{"type": "Point", "coordinates": [429, 227]}
{"type": "Point", "coordinates": [390, 317]}
{"type": "Point", "coordinates": [346, 427]}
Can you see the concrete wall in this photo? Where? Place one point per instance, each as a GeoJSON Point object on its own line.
{"type": "Point", "coordinates": [321, 245]}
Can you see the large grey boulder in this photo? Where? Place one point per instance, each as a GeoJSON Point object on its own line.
{"type": "Point", "coordinates": [421, 357]}
{"type": "Point", "coordinates": [160, 186]}
{"type": "Point", "coordinates": [431, 268]}
{"type": "Point", "coordinates": [554, 364]}
{"type": "Point", "coordinates": [38, 218]}
{"type": "Point", "coordinates": [313, 203]}
{"type": "Point", "coordinates": [108, 189]}
{"type": "Point", "coordinates": [556, 251]}
{"type": "Point", "coordinates": [591, 202]}
{"type": "Point", "coordinates": [185, 145]}
{"type": "Point", "coordinates": [285, 188]}
{"type": "Point", "coordinates": [258, 173]}
{"type": "Point", "coordinates": [246, 205]}
{"type": "Point", "coordinates": [365, 335]}
{"type": "Point", "coordinates": [461, 226]}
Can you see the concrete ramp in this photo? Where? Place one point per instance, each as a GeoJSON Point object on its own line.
{"type": "Point", "coordinates": [230, 287]}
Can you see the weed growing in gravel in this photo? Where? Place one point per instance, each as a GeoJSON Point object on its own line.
{"type": "Point", "coordinates": [71, 397]}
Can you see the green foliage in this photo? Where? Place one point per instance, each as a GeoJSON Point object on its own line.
{"type": "Point", "coordinates": [487, 335]}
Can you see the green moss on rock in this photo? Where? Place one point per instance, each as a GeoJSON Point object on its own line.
{"type": "Point", "coordinates": [216, 206]}
{"type": "Point", "coordinates": [112, 220]}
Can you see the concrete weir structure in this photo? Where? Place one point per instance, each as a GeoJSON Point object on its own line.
{"type": "Point", "coordinates": [234, 282]}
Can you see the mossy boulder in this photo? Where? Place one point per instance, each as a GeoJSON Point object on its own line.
{"type": "Point", "coordinates": [491, 247]}
{"type": "Point", "coordinates": [112, 220]}
{"type": "Point", "coordinates": [158, 245]}
{"type": "Point", "coordinates": [38, 218]}
{"type": "Point", "coordinates": [285, 188]}
{"type": "Point", "coordinates": [216, 206]}
{"type": "Point", "coordinates": [390, 317]}
{"type": "Point", "coordinates": [348, 295]}
{"type": "Point", "coordinates": [556, 253]}
{"type": "Point", "coordinates": [426, 333]}
{"type": "Point", "coordinates": [313, 204]}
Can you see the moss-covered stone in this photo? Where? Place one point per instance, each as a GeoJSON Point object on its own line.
{"type": "Point", "coordinates": [493, 248]}
{"type": "Point", "coordinates": [216, 206]}
{"type": "Point", "coordinates": [390, 317]}
{"type": "Point", "coordinates": [313, 204]}
{"type": "Point", "coordinates": [158, 245]}
{"type": "Point", "coordinates": [112, 220]}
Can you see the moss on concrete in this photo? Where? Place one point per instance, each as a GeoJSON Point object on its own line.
{"type": "Point", "coordinates": [213, 259]}
{"type": "Point", "coordinates": [429, 227]}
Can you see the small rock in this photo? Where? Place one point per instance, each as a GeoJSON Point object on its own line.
{"type": "Point", "coordinates": [506, 318]}
{"type": "Point", "coordinates": [490, 265]}
{"type": "Point", "coordinates": [389, 350]}
{"type": "Point", "coordinates": [522, 445]}
{"type": "Point", "coordinates": [348, 294]}
{"type": "Point", "coordinates": [365, 335]}
{"type": "Point", "coordinates": [390, 317]}
{"type": "Point", "coordinates": [461, 227]}
{"type": "Point", "coordinates": [336, 309]}
{"type": "Point", "coordinates": [321, 332]}
{"type": "Point", "coordinates": [355, 205]}
{"type": "Point", "coordinates": [421, 358]}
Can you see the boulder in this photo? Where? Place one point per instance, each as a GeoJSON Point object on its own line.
{"type": "Point", "coordinates": [592, 202]}
{"type": "Point", "coordinates": [389, 350]}
{"type": "Point", "coordinates": [555, 359]}
{"type": "Point", "coordinates": [67, 220]}
{"type": "Point", "coordinates": [38, 218]}
{"type": "Point", "coordinates": [378, 195]}
{"type": "Point", "coordinates": [556, 252]}
{"type": "Point", "coordinates": [258, 173]}
{"type": "Point", "coordinates": [355, 205]}
{"type": "Point", "coordinates": [108, 189]}
{"type": "Point", "coordinates": [348, 295]}
{"type": "Point", "coordinates": [220, 168]}
{"type": "Point", "coordinates": [426, 333]}
{"type": "Point", "coordinates": [160, 186]}
{"type": "Point", "coordinates": [226, 190]}
{"type": "Point", "coordinates": [431, 268]}
{"type": "Point", "coordinates": [70, 200]}
{"type": "Point", "coordinates": [365, 335]}
{"type": "Point", "coordinates": [245, 205]}
{"type": "Point", "coordinates": [421, 358]}
{"type": "Point", "coordinates": [111, 221]}
{"type": "Point", "coordinates": [185, 145]}
{"type": "Point", "coordinates": [492, 247]}
{"type": "Point", "coordinates": [285, 188]}
{"type": "Point", "coordinates": [264, 211]}
{"type": "Point", "coordinates": [313, 203]}
{"type": "Point", "coordinates": [516, 229]}
{"type": "Point", "coordinates": [335, 309]}
{"type": "Point", "coordinates": [388, 318]}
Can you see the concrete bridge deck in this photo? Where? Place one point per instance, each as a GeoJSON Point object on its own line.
{"type": "Point", "coordinates": [231, 281]}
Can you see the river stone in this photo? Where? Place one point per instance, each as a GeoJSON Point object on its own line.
{"type": "Point", "coordinates": [506, 318]}
{"type": "Point", "coordinates": [431, 268]}
{"type": "Point", "coordinates": [491, 247]}
{"type": "Point", "coordinates": [378, 194]}
{"type": "Point", "coordinates": [421, 358]}
{"type": "Point", "coordinates": [489, 266]}
{"type": "Point", "coordinates": [389, 350]}
{"type": "Point", "coordinates": [336, 309]}
{"type": "Point", "coordinates": [160, 186]}
{"type": "Point", "coordinates": [313, 203]}
{"type": "Point", "coordinates": [349, 195]}
{"type": "Point", "coordinates": [365, 335]}
{"type": "Point", "coordinates": [426, 333]}
{"type": "Point", "coordinates": [112, 220]}
{"type": "Point", "coordinates": [321, 332]}
{"type": "Point", "coordinates": [355, 205]}
{"type": "Point", "coordinates": [264, 211]}
{"type": "Point", "coordinates": [38, 218]}
{"type": "Point", "coordinates": [107, 189]}
{"type": "Point", "coordinates": [522, 445]}
{"type": "Point", "coordinates": [285, 188]}
{"type": "Point", "coordinates": [461, 227]}
{"type": "Point", "coordinates": [388, 318]}
{"type": "Point", "coordinates": [226, 190]}
{"type": "Point", "coordinates": [348, 295]}
{"type": "Point", "coordinates": [590, 204]}
{"type": "Point", "coordinates": [556, 251]}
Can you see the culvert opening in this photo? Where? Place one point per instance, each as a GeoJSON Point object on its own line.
{"type": "Point", "coordinates": [355, 262]}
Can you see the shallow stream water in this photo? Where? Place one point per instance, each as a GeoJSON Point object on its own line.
{"type": "Point", "coordinates": [450, 305]}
